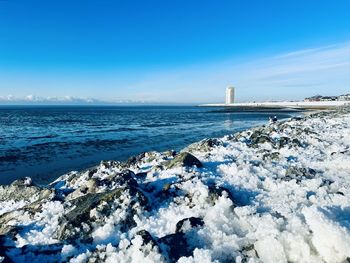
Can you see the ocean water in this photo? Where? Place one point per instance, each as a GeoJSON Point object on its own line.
{"type": "Point", "coordinates": [44, 142]}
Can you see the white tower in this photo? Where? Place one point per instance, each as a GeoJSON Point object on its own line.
{"type": "Point", "coordinates": [230, 95]}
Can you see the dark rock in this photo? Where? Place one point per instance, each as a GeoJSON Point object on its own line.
{"type": "Point", "coordinates": [283, 141]}
{"type": "Point", "coordinates": [125, 178]}
{"type": "Point", "coordinates": [183, 159]}
{"type": "Point", "coordinates": [326, 182]}
{"type": "Point", "coordinates": [177, 246]}
{"type": "Point", "coordinates": [92, 172]}
{"type": "Point", "coordinates": [147, 238]}
{"type": "Point", "coordinates": [216, 191]}
{"type": "Point", "coordinates": [5, 258]}
{"type": "Point", "coordinates": [170, 153]}
{"type": "Point", "coordinates": [194, 222]}
{"type": "Point", "coordinates": [297, 143]}
{"type": "Point", "coordinates": [77, 223]}
{"type": "Point", "coordinates": [204, 145]}
{"type": "Point", "coordinates": [167, 192]}
{"type": "Point", "coordinates": [110, 164]}
{"type": "Point", "coordinates": [134, 160]}
{"type": "Point", "coordinates": [299, 173]}
{"type": "Point", "coordinates": [141, 175]}
{"type": "Point", "coordinates": [296, 118]}
{"type": "Point", "coordinates": [271, 156]}
{"type": "Point", "coordinates": [257, 137]}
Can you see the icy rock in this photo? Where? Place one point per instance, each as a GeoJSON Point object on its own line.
{"type": "Point", "coordinates": [110, 164]}
{"type": "Point", "coordinates": [78, 222]}
{"type": "Point", "coordinates": [125, 178]}
{"type": "Point", "coordinates": [177, 246]}
{"type": "Point", "coordinates": [19, 190]}
{"type": "Point", "coordinates": [134, 160]}
{"type": "Point", "coordinates": [217, 191]}
{"type": "Point", "coordinates": [299, 173]}
{"type": "Point", "coordinates": [271, 156]}
{"type": "Point", "coordinates": [283, 141]}
{"type": "Point", "coordinates": [147, 238]}
{"type": "Point", "coordinates": [183, 159]}
{"type": "Point", "coordinates": [170, 153]}
{"type": "Point", "coordinates": [203, 146]}
{"type": "Point", "coordinates": [258, 137]}
{"type": "Point", "coordinates": [187, 223]}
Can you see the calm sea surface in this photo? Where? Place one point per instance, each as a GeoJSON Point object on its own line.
{"type": "Point", "coordinates": [45, 142]}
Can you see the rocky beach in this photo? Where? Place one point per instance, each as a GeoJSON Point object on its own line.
{"type": "Point", "coordinates": [275, 193]}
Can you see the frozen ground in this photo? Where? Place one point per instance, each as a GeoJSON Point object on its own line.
{"type": "Point", "coordinates": [277, 193]}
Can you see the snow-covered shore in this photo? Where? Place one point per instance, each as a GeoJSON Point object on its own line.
{"type": "Point", "coordinates": [284, 105]}
{"type": "Point", "coordinates": [277, 193]}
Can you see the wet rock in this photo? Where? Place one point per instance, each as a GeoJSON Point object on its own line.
{"type": "Point", "coordinates": [191, 222]}
{"type": "Point", "coordinates": [183, 159]}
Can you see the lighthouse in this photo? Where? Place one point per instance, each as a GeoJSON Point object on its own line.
{"type": "Point", "coordinates": [230, 95]}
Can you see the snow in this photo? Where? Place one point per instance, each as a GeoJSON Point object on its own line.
{"type": "Point", "coordinates": [285, 104]}
{"type": "Point", "coordinates": [293, 208]}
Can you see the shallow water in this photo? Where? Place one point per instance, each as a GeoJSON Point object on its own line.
{"type": "Point", "coordinates": [44, 142]}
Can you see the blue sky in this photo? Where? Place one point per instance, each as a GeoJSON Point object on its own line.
{"type": "Point", "coordinates": [172, 51]}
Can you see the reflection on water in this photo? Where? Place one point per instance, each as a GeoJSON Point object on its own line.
{"type": "Point", "coordinates": [45, 142]}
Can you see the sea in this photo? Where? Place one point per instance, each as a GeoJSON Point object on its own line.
{"type": "Point", "coordinates": [44, 142]}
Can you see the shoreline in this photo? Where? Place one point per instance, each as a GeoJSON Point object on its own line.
{"type": "Point", "coordinates": [283, 185]}
{"type": "Point", "coordinates": [86, 146]}
{"type": "Point", "coordinates": [301, 105]}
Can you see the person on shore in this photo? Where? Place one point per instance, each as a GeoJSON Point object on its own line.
{"type": "Point", "coordinates": [273, 119]}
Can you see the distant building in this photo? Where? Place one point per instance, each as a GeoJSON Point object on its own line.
{"type": "Point", "coordinates": [230, 95]}
{"type": "Point", "coordinates": [314, 98]}
{"type": "Point", "coordinates": [344, 97]}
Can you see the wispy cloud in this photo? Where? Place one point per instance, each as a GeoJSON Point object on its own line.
{"type": "Point", "coordinates": [291, 75]}
{"type": "Point", "coordinates": [67, 100]}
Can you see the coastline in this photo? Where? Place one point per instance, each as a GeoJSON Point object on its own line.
{"type": "Point", "coordinates": [283, 185]}
{"type": "Point", "coordinates": [303, 105]}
